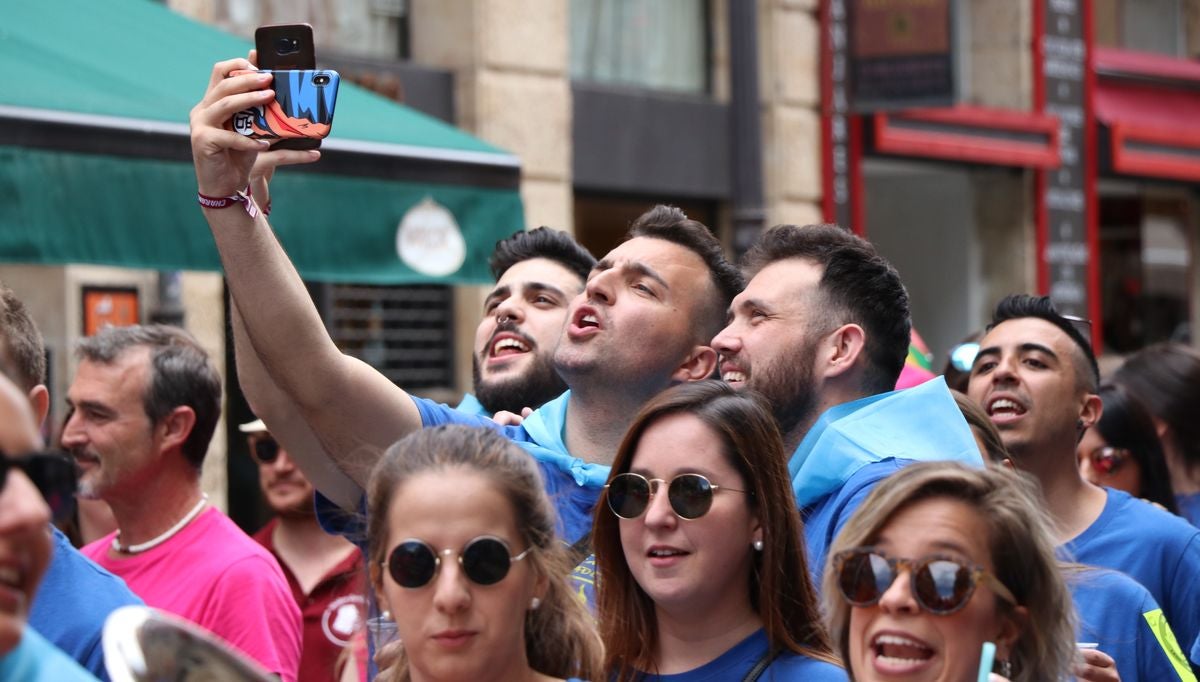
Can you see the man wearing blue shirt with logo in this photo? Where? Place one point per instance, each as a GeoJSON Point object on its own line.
{"type": "Point", "coordinates": [1036, 377]}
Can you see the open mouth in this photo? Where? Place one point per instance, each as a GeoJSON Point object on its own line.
{"type": "Point", "coordinates": [507, 345]}
{"type": "Point", "coordinates": [585, 321]}
{"type": "Point", "coordinates": [896, 652]}
{"type": "Point", "coordinates": [732, 375]}
{"type": "Point", "coordinates": [1003, 408]}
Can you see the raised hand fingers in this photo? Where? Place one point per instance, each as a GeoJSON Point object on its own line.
{"type": "Point", "coordinates": [221, 70]}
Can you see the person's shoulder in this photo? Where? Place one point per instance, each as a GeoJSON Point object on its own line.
{"type": "Point", "coordinates": [1092, 584]}
{"type": "Point", "coordinates": [1146, 519]}
{"type": "Point", "coordinates": [792, 665]}
{"type": "Point", "coordinates": [36, 660]}
{"type": "Point", "coordinates": [86, 576]}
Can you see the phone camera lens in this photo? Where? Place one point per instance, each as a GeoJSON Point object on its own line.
{"type": "Point", "coordinates": [321, 79]}
{"type": "Point", "coordinates": [287, 45]}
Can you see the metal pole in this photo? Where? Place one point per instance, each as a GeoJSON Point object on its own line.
{"type": "Point", "coordinates": [749, 214]}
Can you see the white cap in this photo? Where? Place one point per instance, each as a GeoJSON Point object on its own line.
{"type": "Point", "coordinates": [256, 426]}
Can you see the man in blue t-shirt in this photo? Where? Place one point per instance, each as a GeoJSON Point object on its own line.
{"type": "Point", "coordinates": [822, 330]}
{"type": "Point", "coordinates": [1036, 377]}
{"type": "Point", "coordinates": [538, 273]}
{"type": "Point", "coordinates": [73, 584]}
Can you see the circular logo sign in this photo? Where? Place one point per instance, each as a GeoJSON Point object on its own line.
{"type": "Point", "coordinates": [342, 618]}
{"type": "Point", "coordinates": [429, 240]}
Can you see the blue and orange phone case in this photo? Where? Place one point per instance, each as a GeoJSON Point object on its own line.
{"type": "Point", "coordinates": [302, 109]}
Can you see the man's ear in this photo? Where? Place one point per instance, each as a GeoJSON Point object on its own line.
{"type": "Point", "coordinates": [699, 365]}
{"type": "Point", "coordinates": [1091, 410]}
{"type": "Point", "coordinates": [175, 428]}
{"type": "Point", "coordinates": [841, 349]}
{"type": "Point", "coordinates": [39, 399]}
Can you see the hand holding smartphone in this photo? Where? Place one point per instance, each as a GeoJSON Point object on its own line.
{"type": "Point", "coordinates": [287, 47]}
{"type": "Point", "coordinates": [301, 111]}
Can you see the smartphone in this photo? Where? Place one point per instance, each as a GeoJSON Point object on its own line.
{"type": "Point", "coordinates": [301, 112]}
{"type": "Point", "coordinates": [287, 47]}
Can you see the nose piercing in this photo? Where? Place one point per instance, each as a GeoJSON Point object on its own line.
{"type": "Point", "coordinates": [504, 318]}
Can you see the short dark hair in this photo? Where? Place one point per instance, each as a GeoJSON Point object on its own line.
{"type": "Point", "coordinates": [22, 349]}
{"type": "Point", "coordinates": [1166, 377]}
{"type": "Point", "coordinates": [672, 224]}
{"type": "Point", "coordinates": [858, 284]}
{"type": "Point", "coordinates": [181, 374]}
{"type": "Point", "coordinates": [1017, 306]}
{"type": "Point", "coordinates": [542, 242]}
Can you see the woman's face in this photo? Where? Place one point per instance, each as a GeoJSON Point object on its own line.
{"type": "Point", "coordinates": [896, 639]}
{"type": "Point", "coordinates": [1126, 473]}
{"type": "Point", "coordinates": [452, 627]}
{"type": "Point", "coordinates": [698, 567]}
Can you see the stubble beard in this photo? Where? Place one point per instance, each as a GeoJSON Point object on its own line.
{"type": "Point", "coordinates": [791, 390]}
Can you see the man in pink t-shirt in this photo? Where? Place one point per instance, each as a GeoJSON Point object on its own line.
{"type": "Point", "coordinates": [144, 404]}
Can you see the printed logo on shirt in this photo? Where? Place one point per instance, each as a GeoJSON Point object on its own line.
{"type": "Point", "coordinates": [343, 617]}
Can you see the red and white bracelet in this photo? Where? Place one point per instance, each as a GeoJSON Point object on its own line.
{"type": "Point", "coordinates": [243, 197]}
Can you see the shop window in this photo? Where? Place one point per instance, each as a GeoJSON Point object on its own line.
{"type": "Point", "coordinates": [654, 44]}
{"type": "Point", "coordinates": [360, 28]}
{"type": "Point", "coordinates": [1143, 25]}
{"type": "Point", "coordinates": [1145, 262]}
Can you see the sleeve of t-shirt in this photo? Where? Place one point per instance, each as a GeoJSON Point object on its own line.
{"type": "Point", "coordinates": [437, 414]}
{"type": "Point", "coordinates": [256, 613]}
{"type": "Point", "coordinates": [1185, 593]}
{"type": "Point", "coordinates": [1160, 656]}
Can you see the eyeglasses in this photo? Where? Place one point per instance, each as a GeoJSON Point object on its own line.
{"type": "Point", "coordinates": [690, 495]}
{"type": "Point", "coordinates": [963, 356]}
{"type": "Point", "coordinates": [939, 584]}
{"type": "Point", "coordinates": [52, 473]}
{"type": "Point", "coordinates": [1109, 460]}
{"type": "Point", "coordinates": [264, 449]}
{"type": "Point", "coordinates": [485, 561]}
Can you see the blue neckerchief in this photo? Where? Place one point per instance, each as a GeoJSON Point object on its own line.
{"type": "Point", "coordinates": [921, 424]}
{"type": "Point", "coordinates": [546, 427]}
{"type": "Point", "coordinates": [471, 405]}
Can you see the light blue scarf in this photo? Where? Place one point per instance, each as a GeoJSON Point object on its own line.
{"type": "Point", "coordinates": [922, 424]}
{"type": "Point", "coordinates": [546, 427]}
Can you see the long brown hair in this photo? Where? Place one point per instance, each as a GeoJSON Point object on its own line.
{"type": "Point", "coordinates": [560, 639]}
{"type": "Point", "coordinates": [779, 586]}
{"type": "Point", "coordinates": [1020, 541]}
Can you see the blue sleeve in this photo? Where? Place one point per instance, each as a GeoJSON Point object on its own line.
{"type": "Point", "coordinates": [1185, 591]}
{"type": "Point", "coordinates": [437, 414]}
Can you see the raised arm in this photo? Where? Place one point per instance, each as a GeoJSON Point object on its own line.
{"type": "Point", "coordinates": [352, 409]}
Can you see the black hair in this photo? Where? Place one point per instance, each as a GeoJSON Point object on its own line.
{"type": "Point", "coordinates": [857, 285]}
{"type": "Point", "coordinates": [672, 224]}
{"type": "Point", "coordinates": [1166, 377]}
{"type": "Point", "coordinates": [1126, 423]}
{"type": "Point", "coordinates": [542, 242]}
{"type": "Point", "coordinates": [1018, 306]}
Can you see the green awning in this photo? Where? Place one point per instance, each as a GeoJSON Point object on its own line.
{"type": "Point", "coordinates": [94, 165]}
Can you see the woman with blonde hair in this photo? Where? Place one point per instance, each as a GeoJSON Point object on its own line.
{"type": "Point", "coordinates": [463, 554]}
{"type": "Point", "coordinates": [939, 560]}
{"type": "Point", "coordinates": [699, 547]}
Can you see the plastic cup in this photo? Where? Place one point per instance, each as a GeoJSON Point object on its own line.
{"type": "Point", "coordinates": [382, 631]}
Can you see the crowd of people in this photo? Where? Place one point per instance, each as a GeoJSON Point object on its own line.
{"type": "Point", "coordinates": [670, 468]}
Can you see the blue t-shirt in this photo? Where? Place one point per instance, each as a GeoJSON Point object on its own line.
{"type": "Point", "coordinates": [1154, 547]}
{"type": "Point", "coordinates": [1121, 616]}
{"type": "Point", "coordinates": [471, 405]}
{"type": "Point", "coordinates": [573, 485]}
{"type": "Point", "coordinates": [74, 599]}
{"type": "Point", "coordinates": [853, 446]}
{"type": "Point", "coordinates": [36, 660]}
{"type": "Point", "coordinates": [1189, 507]}
{"type": "Point", "coordinates": [735, 663]}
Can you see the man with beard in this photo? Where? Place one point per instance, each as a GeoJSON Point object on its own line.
{"type": "Point", "coordinates": [1036, 377]}
{"type": "Point", "coordinates": [326, 572]}
{"type": "Point", "coordinates": [537, 274]}
{"type": "Point", "coordinates": [145, 402]}
{"type": "Point", "coordinates": [822, 330]}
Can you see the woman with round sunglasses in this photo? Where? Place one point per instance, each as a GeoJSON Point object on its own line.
{"type": "Point", "coordinates": [463, 554]}
{"type": "Point", "coordinates": [939, 560]}
{"type": "Point", "coordinates": [1123, 451]}
{"type": "Point", "coordinates": [699, 548]}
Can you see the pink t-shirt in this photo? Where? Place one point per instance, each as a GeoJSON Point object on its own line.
{"type": "Point", "coordinates": [215, 575]}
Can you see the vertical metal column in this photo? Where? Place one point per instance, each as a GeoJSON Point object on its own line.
{"type": "Point", "coordinates": [745, 120]}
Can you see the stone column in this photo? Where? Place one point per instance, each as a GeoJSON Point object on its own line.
{"type": "Point", "coordinates": [512, 88]}
{"type": "Point", "coordinates": [789, 64]}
